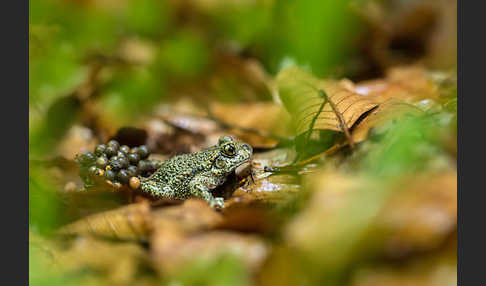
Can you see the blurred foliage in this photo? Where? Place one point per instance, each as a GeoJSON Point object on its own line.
{"type": "Point", "coordinates": [64, 36]}
{"type": "Point", "coordinates": [314, 33]}
{"type": "Point", "coordinates": [122, 93]}
{"type": "Point", "coordinates": [44, 205]}
{"type": "Point", "coordinates": [407, 146]}
{"type": "Point", "coordinates": [184, 55]}
{"type": "Point", "coordinates": [221, 270]}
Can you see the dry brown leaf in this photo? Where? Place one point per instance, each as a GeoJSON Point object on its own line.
{"type": "Point", "coordinates": [275, 189]}
{"type": "Point", "coordinates": [346, 212]}
{"type": "Point", "coordinates": [386, 111]}
{"type": "Point", "coordinates": [131, 222]}
{"type": "Point", "coordinates": [265, 117]}
{"type": "Point", "coordinates": [118, 263]}
{"type": "Point", "coordinates": [191, 216]}
{"type": "Point", "coordinates": [396, 94]}
{"type": "Point", "coordinates": [78, 139]}
{"type": "Point", "coordinates": [437, 268]}
{"type": "Point", "coordinates": [340, 210]}
{"type": "Point", "coordinates": [170, 255]}
{"type": "Point", "coordinates": [249, 218]}
{"type": "Point", "coordinates": [421, 215]}
{"type": "Point", "coordinates": [407, 83]}
{"type": "Point", "coordinates": [298, 91]}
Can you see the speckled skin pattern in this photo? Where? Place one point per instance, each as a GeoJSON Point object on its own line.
{"type": "Point", "coordinates": [196, 174]}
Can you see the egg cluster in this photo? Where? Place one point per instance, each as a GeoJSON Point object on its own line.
{"type": "Point", "coordinates": [118, 165]}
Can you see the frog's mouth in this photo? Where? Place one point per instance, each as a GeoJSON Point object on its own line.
{"type": "Point", "coordinates": [243, 162]}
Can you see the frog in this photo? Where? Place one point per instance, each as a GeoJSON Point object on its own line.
{"type": "Point", "coordinates": [195, 175]}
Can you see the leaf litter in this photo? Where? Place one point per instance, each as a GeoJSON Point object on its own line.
{"type": "Point", "coordinates": [324, 212]}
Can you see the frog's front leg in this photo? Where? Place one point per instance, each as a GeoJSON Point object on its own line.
{"type": "Point", "coordinates": [156, 189]}
{"type": "Point", "coordinates": [201, 187]}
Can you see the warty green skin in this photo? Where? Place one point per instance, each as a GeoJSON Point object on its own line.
{"type": "Point", "coordinates": [196, 174]}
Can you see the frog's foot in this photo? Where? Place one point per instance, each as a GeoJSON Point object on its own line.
{"type": "Point", "coordinates": [217, 202]}
{"type": "Point", "coordinates": [201, 191]}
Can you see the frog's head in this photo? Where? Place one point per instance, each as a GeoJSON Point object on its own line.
{"type": "Point", "coordinates": [232, 154]}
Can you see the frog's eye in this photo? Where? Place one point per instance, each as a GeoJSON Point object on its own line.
{"type": "Point", "coordinates": [229, 149]}
{"type": "Point", "coordinates": [224, 139]}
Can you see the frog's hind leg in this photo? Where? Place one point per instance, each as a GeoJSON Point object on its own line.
{"type": "Point", "coordinates": [156, 189]}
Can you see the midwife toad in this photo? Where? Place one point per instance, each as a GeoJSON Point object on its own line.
{"type": "Point", "coordinates": [196, 174]}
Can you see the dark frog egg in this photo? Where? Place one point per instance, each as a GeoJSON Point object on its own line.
{"type": "Point", "coordinates": [143, 152]}
{"type": "Point", "coordinates": [110, 151]}
{"type": "Point", "coordinates": [125, 149]}
{"type": "Point", "coordinates": [123, 176]}
{"type": "Point", "coordinates": [87, 159]}
{"type": "Point", "coordinates": [100, 149]}
{"type": "Point", "coordinates": [115, 163]}
{"type": "Point", "coordinates": [102, 161]}
{"type": "Point", "coordinates": [110, 175]}
{"type": "Point", "coordinates": [114, 144]}
{"type": "Point", "coordinates": [132, 171]}
{"type": "Point", "coordinates": [133, 158]}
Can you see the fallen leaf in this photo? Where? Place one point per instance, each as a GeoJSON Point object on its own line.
{"type": "Point", "coordinates": [169, 256]}
{"type": "Point", "coordinates": [340, 210]}
{"type": "Point", "coordinates": [249, 218]}
{"type": "Point", "coordinates": [131, 222]}
{"type": "Point", "coordinates": [298, 91]}
{"type": "Point", "coordinates": [264, 117]}
{"type": "Point", "coordinates": [273, 190]}
{"type": "Point", "coordinates": [77, 140]}
{"type": "Point", "coordinates": [118, 263]}
{"type": "Point", "coordinates": [420, 215]}
{"type": "Point", "coordinates": [191, 216]}
{"type": "Point", "coordinates": [436, 268]}
{"type": "Point", "coordinates": [407, 83]}
{"type": "Point", "coordinates": [386, 111]}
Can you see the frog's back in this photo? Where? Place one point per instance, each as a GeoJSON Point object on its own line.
{"type": "Point", "coordinates": [179, 170]}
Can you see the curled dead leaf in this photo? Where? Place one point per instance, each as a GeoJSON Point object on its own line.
{"type": "Point", "coordinates": [131, 222]}
{"type": "Point", "coordinates": [299, 92]}
{"type": "Point", "coordinates": [386, 111]}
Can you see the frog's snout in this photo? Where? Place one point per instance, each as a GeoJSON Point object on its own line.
{"type": "Point", "coordinates": [248, 150]}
